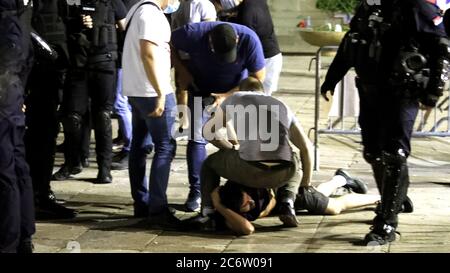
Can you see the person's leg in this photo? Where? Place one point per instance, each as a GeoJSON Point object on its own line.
{"type": "Point", "coordinates": [402, 114]}
{"type": "Point", "coordinates": [137, 161]}
{"type": "Point", "coordinates": [40, 140]}
{"type": "Point", "coordinates": [122, 108]}
{"type": "Point", "coordinates": [274, 66]}
{"type": "Point", "coordinates": [9, 192]}
{"type": "Point", "coordinates": [287, 193]}
{"type": "Point", "coordinates": [195, 153]}
{"type": "Point", "coordinates": [102, 91]}
{"type": "Point", "coordinates": [86, 129]}
{"type": "Point", "coordinates": [27, 212]}
{"type": "Point", "coordinates": [74, 107]}
{"type": "Point", "coordinates": [40, 136]}
{"type": "Point", "coordinates": [350, 201]}
{"type": "Point", "coordinates": [164, 146]}
{"type": "Point", "coordinates": [329, 187]}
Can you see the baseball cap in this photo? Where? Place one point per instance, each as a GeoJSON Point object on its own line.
{"type": "Point", "coordinates": [223, 38]}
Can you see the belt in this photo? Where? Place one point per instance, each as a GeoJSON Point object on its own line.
{"type": "Point", "coordinates": [106, 57]}
{"type": "Point", "coordinates": [271, 165]}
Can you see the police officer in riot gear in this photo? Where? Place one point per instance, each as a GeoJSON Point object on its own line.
{"type": "Point", "coordinates": [400, 53]}
{"type": "Point", "coordinates": [92, 44]}
{"type": "Point", "coordinates": [42, 101]}
{"type": "Point", "coordinates": [16, 191]}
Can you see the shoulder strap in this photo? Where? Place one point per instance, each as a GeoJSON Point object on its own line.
{"type": "Point", "coordinates": [131, 18]}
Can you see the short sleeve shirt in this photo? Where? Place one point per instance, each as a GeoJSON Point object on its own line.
{"type": "Point", "coordinates": [210, 75]}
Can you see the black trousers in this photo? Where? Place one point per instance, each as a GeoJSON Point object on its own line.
{"type": "Point", "coordinates": [386, 119]}
{"type": "Point", "coordinates": [42, 102]}
{"type": "Point", "coordinates": [94, 86]}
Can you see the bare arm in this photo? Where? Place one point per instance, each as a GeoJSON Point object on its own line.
{"type": "Point", "coordinates": [214, 124]}
{"type": "Point", "coordinates": [260, 75]}
{"type": "Point", "coordinates": [149, 59]}
{"type": "Point", "coordinates": [270, 206]}
{"type": "Point", "coordinates": [299, 138]}
{"type": "Point", "coordinates": [234, 221]}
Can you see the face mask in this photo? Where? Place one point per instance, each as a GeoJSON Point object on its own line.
{"type": "Point", "coordinates": [228, 4]}
{"type": "Point", "coordinates": [171, 8]}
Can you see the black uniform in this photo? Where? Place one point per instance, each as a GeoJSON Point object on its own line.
{"type": "Point", "coordinates": [400, 55]}
{"type": "Point", "coordinates": [93, 57]}
{"type": "Point", "coordinates": [42, 101]}
{"type": "Point", "coordinates": [16, 191]}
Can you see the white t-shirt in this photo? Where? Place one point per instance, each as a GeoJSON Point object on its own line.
{"type": "Point", "coordinates": [148, 23]}
{"type": "Point", "coordinates": [193, 11]}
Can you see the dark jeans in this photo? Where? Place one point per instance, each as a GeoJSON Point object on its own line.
{"type": "Point", "coordinates": [16, 190]}
{"type": "Point", "coordinates": [196, 151]}
{"type": "Point", "coordinates": [228, 164]}
{"type": "Point", "coordinates": [159, 129]}
{"type": "Point", "coordinates": [97, 84]}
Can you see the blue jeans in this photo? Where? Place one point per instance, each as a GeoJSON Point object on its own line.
{"type": "Point", "coordinates": [196, 151]}
{"type": "Point", "coordinates": [159, 129]}
{"type": "Point", "coordinates": [123, 109]}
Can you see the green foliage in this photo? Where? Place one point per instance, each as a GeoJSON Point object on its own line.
{"type": "Point", "coordinates": [332, 6]}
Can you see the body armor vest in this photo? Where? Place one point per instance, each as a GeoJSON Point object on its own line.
{"type": "Point", "coordinates": [84, 43]}
{"type": "Point", "coordinates": [104, 32]}
{"type": "Point", "coordinates": [48, 22]}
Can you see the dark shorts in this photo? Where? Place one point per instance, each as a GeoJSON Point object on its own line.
{"type": "Point", "coordinates": [308, 198]}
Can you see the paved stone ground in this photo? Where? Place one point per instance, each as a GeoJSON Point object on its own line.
{"type": "Point", "coordinates": [104, 223]}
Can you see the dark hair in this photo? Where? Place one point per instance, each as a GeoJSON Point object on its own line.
{"type": "Point", "coordinates": [231, 196]}
{"type": "Point", "coordinates": [251, 84]}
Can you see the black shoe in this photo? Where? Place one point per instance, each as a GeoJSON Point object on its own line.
{"type": "Point", "coordinates": [65, 172]}
{"type": "Point", "coordinates": [120, 156]}
{"type": "Point", "coordinates": [85, 162]}
{"type": "Point", "coordinates": [287, 215]}
{"type": "Point", "coordinates": [118, 141]}
{"type": "Point", "coordinates": [353, 184]}
{"type": "Point", "coordinates": [49, 209]}
{"type": "Point", "coordinates": [25, 247]}
{"type": "Point", "coordinates": [380, 236]}
{"type": "Point", "coordinates": [166, 219]}
{"type": "Point", "coordinates": [193, 201]}
{"type": "Point", "coordinates": [140, 213]}
{"type": "Point", "coordinates": [199, 223]}
{"type": "Point", "coordinates": [121, 163]}
{"type": "Point", "coordinates": [103, 178]}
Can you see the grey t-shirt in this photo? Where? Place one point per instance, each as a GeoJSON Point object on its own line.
{"type": "Point", "coordinates": [262, 126]}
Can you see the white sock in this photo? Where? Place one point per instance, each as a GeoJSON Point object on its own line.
{"type": "Point", "coordinates": [339, 180]}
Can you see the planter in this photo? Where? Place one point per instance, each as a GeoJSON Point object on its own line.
{"type": "Point", "coordinates": [321, 38]}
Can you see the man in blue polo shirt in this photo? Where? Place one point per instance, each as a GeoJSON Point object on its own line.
{"type": "Point", "coordinates": [210, 59]}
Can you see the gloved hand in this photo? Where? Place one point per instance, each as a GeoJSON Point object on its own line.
{"type": "Point", "coordinates": [324, 90]}
{"type": "Point", "coordinates": [429, 100]}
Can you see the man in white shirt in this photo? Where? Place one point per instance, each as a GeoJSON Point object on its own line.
{"type": "Point", "coordinates": [146, 82]}
{"type": "Point", "coordinates": [193, 11]}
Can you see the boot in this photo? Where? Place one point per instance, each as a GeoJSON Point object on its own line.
{"type": "Point", "coordinates": [48, 208]}
{"type": "Point", "coordinates": [103, 176]}
{"type": "Point", "coordinates": [394, 189]}
{"type": "Point", "coordinates": [286, 211]}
